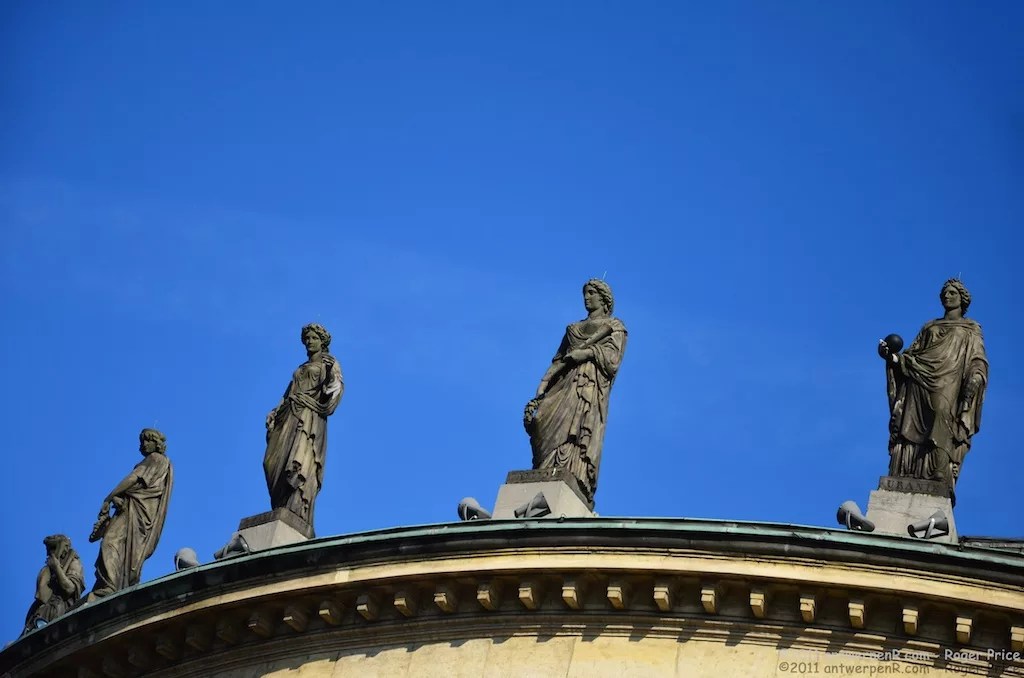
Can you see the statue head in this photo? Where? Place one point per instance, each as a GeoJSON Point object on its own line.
{"type": "Point", "coordinates": [57, 545]}
{"type": "Point", "coordinates": [953, 294]}
{"type": "Point", "coordinates": [151, 440]}
{"type": "Point", "coordinates": [603, 291]}
{"type": "Point", "coordinates": [319, 333]}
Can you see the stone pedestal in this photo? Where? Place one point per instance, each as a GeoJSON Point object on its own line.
{"type": "Point", "coordinates": [274, 528]}
{"type": "Point", "coordinates": [557, 485]}
{"type": "Point", "coordinates": [899, 502]}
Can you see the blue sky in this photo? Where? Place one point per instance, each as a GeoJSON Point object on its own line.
{"type": "Point", "coordinates": [768, 187]}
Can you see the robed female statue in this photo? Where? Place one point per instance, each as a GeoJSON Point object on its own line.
{"type": "Point", "coordinates": [936, 389]}
{"type": "Point", "coordinates": [130, 534]}
{"type": "Point", "coordinates": [567, 418]}
{"type": "Point", "coordinates": [297, 427]}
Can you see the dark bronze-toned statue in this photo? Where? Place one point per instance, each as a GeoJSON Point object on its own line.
{"type": "Point", "coordinates": [130, 534]}
{"type": "Point", "coordinates": [59, 585]}
{"type": "Point", "coordinates": [567, 418]}
{"type": "Point", "coordinates": [936, 389]}
{"type": "Point", "coordinates": [297, 428]}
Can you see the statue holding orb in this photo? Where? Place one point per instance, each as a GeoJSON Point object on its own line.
{"type": "Point", "coordinates": [936, 389]}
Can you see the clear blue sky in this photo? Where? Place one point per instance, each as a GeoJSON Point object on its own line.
{"type": "Point", "coordinates": [770, 187]}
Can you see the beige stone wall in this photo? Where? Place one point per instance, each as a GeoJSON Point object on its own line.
{"type": "Point", "coordinates": [590, 657]}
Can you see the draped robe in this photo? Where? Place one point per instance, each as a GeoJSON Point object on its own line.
{"type": "Point", "coordinates": [567, 428]}
{"type": "Point", "coordinates": [297, 441]}
{"type": "Point", "coordinates": [932, 417]}
{"type": "Point", "coordinates": [133, 532]}
{"type": "Point", "coordinates": [51, 601]}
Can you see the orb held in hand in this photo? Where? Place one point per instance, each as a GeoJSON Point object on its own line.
{"type": "Point", "coordinates": [894, 342]}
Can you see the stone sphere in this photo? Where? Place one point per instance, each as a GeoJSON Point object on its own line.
{"type": "Point", "coordinates": [894, 342]}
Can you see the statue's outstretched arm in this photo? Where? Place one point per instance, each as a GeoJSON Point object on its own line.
{"type": "Point", "coordinates": [128, 483]}
{"type": "Point", "coordinates": [551, 373]}
{"type": "Point", "coordinates": [557, 365]}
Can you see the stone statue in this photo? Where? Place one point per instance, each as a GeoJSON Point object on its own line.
{"type": "Point", "coordinates": [297, 428]}
{"type": "Point", "coordinates": [566, 419]}
{"type": "Point", "coordinates": [59, 585]}
{"type": "Point", "coordinates": [936, 389]}
{"type": "Point", "coordinates": [130, 534]}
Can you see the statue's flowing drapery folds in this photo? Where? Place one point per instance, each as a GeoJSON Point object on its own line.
{"type": "Point", "coordinates": [297, 438]}
{"type": "Point", "coordinates": [568, 421]}
{"type": "Point", "coordinates": [936, 390]}
{"type": "Point", "coordinates": [132, 534]}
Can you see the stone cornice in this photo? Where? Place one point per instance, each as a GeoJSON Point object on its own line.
{"type": "Point", "coordinates": [805, 587]}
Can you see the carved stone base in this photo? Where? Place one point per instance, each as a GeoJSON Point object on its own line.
{"type": "Point", "coordinates": [559, 488]}
{"type": "Point", "coordinates": [274, 528]}
{"type": "Point", "coordinates": [892, 510]}
{"type": "Point", "coordinates": [913, 486]}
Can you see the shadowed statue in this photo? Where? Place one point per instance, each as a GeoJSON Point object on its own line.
{"type": "Point", "coordinates": [59, 585]}
{"type": "Point", "coordinates": [936, 389]}
{"type": "Point", "coordinates": [567, 418]}
{"type": "Point", "coordinates": [130, 534]}
{"type": "Point", "coordinates": [297, 428]}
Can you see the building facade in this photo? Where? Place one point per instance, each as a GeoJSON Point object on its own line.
{"type": "Point", "coordinates": [576, 597]}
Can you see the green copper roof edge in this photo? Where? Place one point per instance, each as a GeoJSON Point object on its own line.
{"type": "Point", "coordinates": [678, 525]}
{"type": "Point", "coordinates": [683, 526]}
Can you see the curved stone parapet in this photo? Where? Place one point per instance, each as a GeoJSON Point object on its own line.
{"type": "Point", "coordinates": [587, 597]}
